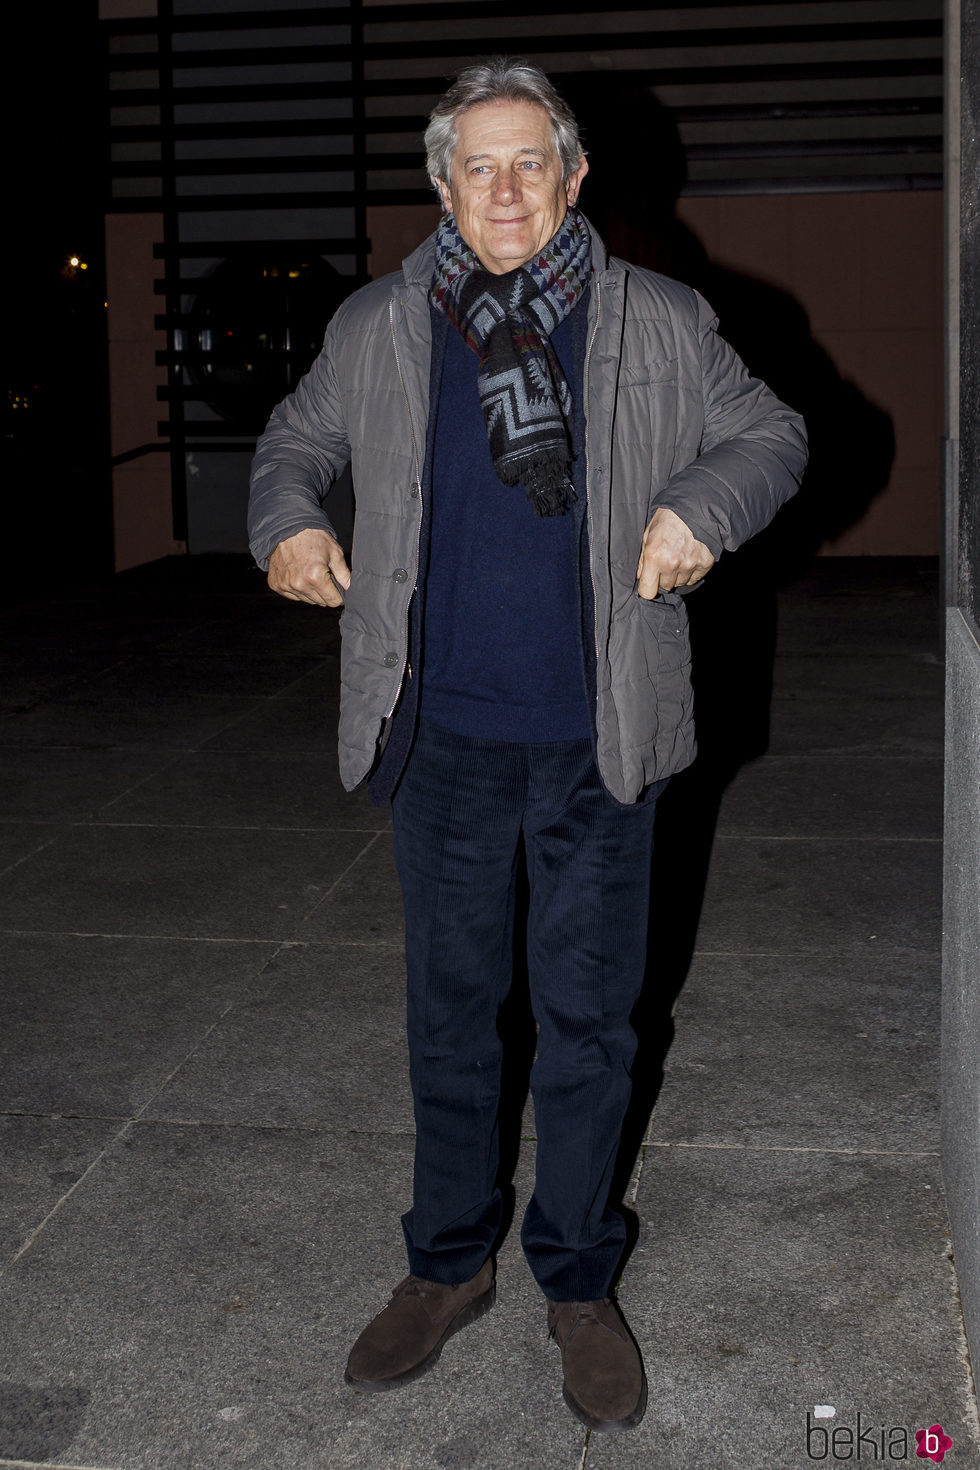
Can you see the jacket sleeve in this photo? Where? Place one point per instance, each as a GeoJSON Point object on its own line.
{"type": "Point", "coordinates": [303, 449]}
{"type": "Point", "coordinates": [752, 456]}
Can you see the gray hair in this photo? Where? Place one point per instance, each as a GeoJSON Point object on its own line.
{"type": "Point", "coordinates": [500, 79]}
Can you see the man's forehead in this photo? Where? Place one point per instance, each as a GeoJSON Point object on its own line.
{"type": "Point", "coordinates": [518, 127]}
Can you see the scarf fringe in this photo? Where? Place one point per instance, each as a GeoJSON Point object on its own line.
{"type": "Point", "coordinates": [546, 478]}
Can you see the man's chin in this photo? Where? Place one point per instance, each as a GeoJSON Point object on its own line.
{"type": "Point", "coordinates": [507, 249]}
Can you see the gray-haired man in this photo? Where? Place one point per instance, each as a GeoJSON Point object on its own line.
{"type": "Point", "coordinates": [546, 445]}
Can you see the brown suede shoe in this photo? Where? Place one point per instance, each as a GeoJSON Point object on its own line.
{"type": "Point", "coordinates": [406, 1337]}
{"type": "Point", "coordinates": [605, 1385]}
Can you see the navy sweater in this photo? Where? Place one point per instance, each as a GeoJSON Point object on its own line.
{"type": "Point", "coordinates": [502, 637]}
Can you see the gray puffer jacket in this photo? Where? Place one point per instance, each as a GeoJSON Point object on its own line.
{"type": "Point", "coordinates": [673, 419]}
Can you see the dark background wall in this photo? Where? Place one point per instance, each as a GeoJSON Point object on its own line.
{"type": "Point", "coordinates": [54, 460]}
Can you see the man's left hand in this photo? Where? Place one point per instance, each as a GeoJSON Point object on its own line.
{"type": "Point", "coordinates": [671, 556]}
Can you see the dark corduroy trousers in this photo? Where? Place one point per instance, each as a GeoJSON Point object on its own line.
{"type": "Point", "coordinates": [463, 807]}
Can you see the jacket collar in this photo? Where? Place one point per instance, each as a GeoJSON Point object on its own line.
{"type": "Point", "coordinates": [418, 267]}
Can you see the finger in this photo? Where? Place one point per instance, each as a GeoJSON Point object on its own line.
{"type": "Point", "coordinates": [320, 589]}
{"type": "Point", "coordinates": [308, 589]}
{"type": "Point", "coordinates": [308, 581]}
{"type": "Point", "coordinates": [649, 581]}
{"type": "Point", "coordinates": [313, 596]}
{"type": "Point", "coordinates": [340, 571]}
{"type": "Point", "coordinates": [699, 572]}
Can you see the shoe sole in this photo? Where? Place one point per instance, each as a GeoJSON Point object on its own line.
{"type": "Point", "coordinates": [476, 1309]}
{"type": "Point", "coordinates": [607, 1426]}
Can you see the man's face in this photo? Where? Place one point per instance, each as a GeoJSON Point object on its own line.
{"type": "Point", "coordinates": [505, 186]}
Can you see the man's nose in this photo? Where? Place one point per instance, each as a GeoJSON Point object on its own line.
{"type": "Point", "coordinates": [507, 188]}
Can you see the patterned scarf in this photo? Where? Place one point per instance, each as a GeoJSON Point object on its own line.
{"type": "Point", "coordinates": [507, 320]}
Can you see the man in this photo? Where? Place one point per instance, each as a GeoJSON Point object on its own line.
{"type": "Point", "coordinates": [547, 446]}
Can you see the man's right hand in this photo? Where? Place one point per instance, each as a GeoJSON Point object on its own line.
{"type": "Point", "coordinates": [310, 567]}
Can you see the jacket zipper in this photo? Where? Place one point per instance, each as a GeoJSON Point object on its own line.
{"type": "Point", "coordinates": [418, 489]}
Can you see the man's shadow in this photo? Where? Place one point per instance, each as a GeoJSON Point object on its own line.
{"type": "Point", "coordinates": [637, 171]}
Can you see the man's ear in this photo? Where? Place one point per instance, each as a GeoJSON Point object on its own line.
{"type": "Point", "coordinates": [574, 183]}
{"type": "Point", "coordinates": [445, 196]}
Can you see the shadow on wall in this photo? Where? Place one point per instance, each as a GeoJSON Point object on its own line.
{"type": "Point", "coordinates": [637, 170]}
{"type": "Point", "coordinates": [631, 196]}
